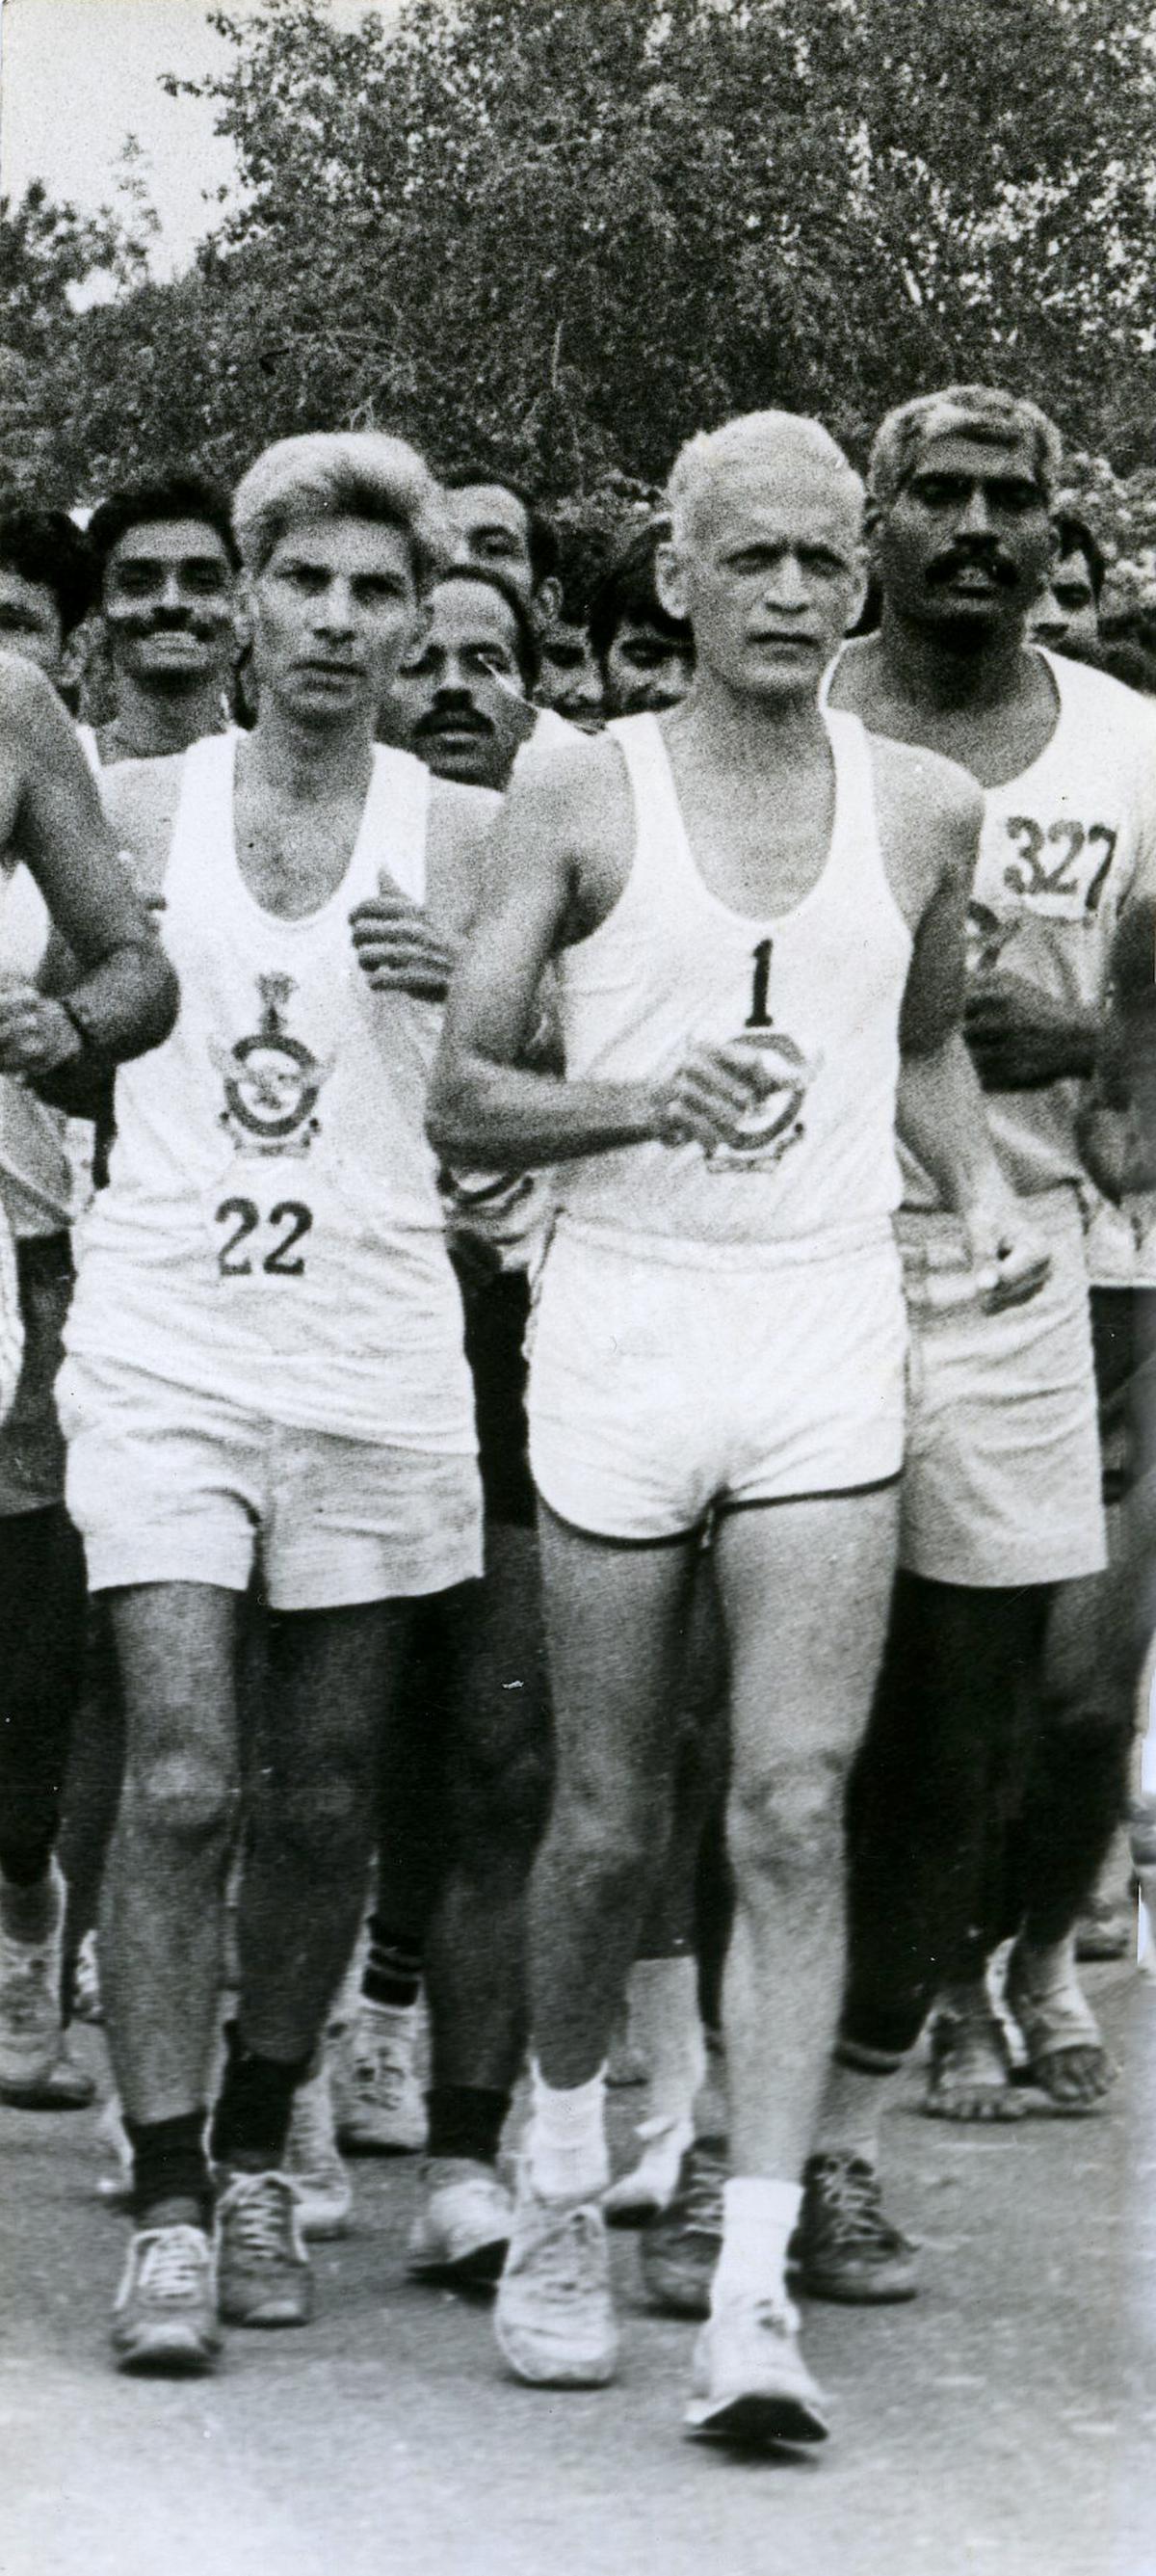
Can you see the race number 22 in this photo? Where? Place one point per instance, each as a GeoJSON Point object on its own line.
{"type": "Point", "coordinates": [241, 1252]}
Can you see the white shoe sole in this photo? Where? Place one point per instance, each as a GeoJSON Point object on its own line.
{"type": "Point", "coordinates": [537, 2370]}
{"type": "Point", "coordinates": [182, 2350]}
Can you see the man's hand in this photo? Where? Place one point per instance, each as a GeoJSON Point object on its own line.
{"type": "Point", "coordinates": [1008, 1257]}
{"type": "Point", "coordinates": [36, 1035]}
{"type": "Point", "coordinates": [398, 949]}
{"type": "Point", "coordinates": [1021, 1037]}
{"type": "Point", "coordinates": [714, 1088]}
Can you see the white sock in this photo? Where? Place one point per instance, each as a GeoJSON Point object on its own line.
{"type": "Point", "coordinates": [852, 2111]}
{"type": "Point", "coordinates": [666, 2025]}
{"type": "Point", "coordinates": [759, 2219]}
{"type": "Point", "coordinates": [566, 2156]}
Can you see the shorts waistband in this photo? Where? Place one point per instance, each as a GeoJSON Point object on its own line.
{"type": "Point", "coordinates": [689, 1252]}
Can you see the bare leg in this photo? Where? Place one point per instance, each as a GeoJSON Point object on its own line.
{"type": "Point", "coordinates": [165, 1881]}
{"type": "Point", "coordinates": [805, 1590]}
{"type": "Point", "coordinates": [496, 1782]}
{"type": "Point", "coordinates": [613, 1616]}
{"type": "Point", "coordinates": [332, 1676]}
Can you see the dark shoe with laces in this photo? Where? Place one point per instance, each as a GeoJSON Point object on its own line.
{"type": "Point", "coordinates": [844, 2246]}
{"type": "Point", "coordinates": [680, 2248]}
{"type": "Point", "coordinates": [263, 2275]}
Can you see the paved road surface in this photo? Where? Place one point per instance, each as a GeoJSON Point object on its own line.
{"type": "Point", "coordinates": [1005, 2425]}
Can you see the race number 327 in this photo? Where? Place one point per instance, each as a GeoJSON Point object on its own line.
{"type": "Point", "coordinates": [246, 1246]}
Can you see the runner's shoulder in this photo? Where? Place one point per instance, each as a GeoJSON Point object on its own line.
{"type": "Point", "coordinates": [927, 805]}
{"type": "Point", "coordinates": [140, 798]}
{"type": "Point", "coordinates": [576, 788]}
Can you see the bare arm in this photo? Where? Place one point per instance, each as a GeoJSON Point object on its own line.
{"type": "Point", "coordinates": [940, 1112]}
{"type": "Point", "coordinates": [124, 998]}
{"type": "Point", "coordinates": [555, 841]}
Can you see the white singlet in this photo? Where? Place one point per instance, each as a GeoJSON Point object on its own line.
{"type": "Point", "coordinates": [271, 1232]}
{"type": "Point", "coordinates": [818, 990]}
{"type": "Point", "coordinates": [1062, 845]}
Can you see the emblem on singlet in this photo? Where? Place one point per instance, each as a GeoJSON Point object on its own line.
{"type": "Point", "coordinates": [769, 1130]}
{"type": "Point", "coordinates": [272, 1080]}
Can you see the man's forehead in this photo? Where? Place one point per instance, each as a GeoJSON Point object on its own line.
{"type": "Point", "coordinates": [986, 460]}
{"type": "Point", "coordinates": [465, 611]}
{"type": "Point", "coordinates": [344, 544]}
{"type": "Point", "coordinates": [170, 541]}
{"type": "Point", "coordinates": [778, 499]}
{"type": "Point", "coordinates": [489, 505]}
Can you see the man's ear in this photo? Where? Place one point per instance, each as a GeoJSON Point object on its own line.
{"type": "Point", "coordinates": [548, 599]}
{"type": "Point", "coordinates": [420, 624]}
{"type": "Point", "coordinates": [244, 616]}
{"type": "Point", "coordinates": [862, 585]}
{"type": "Point", "coordinates": [670, 579]}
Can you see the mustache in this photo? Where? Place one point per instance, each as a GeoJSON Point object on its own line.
{"type": "Point", "coordinates": [203, 624]}
{"type": "Point", "coordinates": [467, 719]}
{"type": "Point", "coordinates": [978, 554]}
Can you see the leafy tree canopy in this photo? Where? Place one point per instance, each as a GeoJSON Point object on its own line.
{"type": "Point", "coordinates": [560, 234]}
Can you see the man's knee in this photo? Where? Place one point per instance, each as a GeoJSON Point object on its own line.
{"type": "Point", "coordinates": [324, 1811]}
{"type": "Point", "coordinates": [608, 1842]}
{"type": "Point", "coordinates": [786, 1818]}
{"type": "Point", "coordinates": [181, 1795]}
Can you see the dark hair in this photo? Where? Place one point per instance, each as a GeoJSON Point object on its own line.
{"type": "Point", "coordinates": [628, 589]}
{"type": "Point", "coordinates": [1075, 538]}
{"type": "Point", "coordinates": [181, 494]}
{"type": "Point", "coordinates": [527, 653]}
{"type": "Point", "coordinates": [47, 547]}
{"type": "Point", "coordinates": [540, 530]}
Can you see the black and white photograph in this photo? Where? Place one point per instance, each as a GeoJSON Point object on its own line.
{"type": "Point", "coordinates": [578, 1288]}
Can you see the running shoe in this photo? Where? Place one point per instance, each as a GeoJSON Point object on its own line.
{"type": "Point", "coordinates": [650, 2185]}
{"type": "Point", "coordinates": [751, 2384]}
{"type": "Point", "coordinates": [263, 2275]}
{"type": "Point", "coordinates": [554, 2317]}
{"type": "Point", "coordinates": [680, 2248]}
{"type": "Point", "coordinates": [381, 2111]}
{"type": "Point", "coordinates": [324, 2190]}
{"type": "Point", "coordinates": [463, 2226]}
{"type": "Point", "coordinates": [845, 2247]}
{"type": "Point", "coordinates": [165, 2317]}
{"type": "Point", "coordinates": [66, 2087]}
{"type": "Point", "coordinates": [86, 1996]}
{"type": "Point", "coordinates": [30, 2007]}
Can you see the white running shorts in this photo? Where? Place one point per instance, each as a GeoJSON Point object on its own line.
{"type": "Point", "coordinates": [168, 1486]}
{"type": "Point", "coordinates": [665, 1382]}
{"type": "Point", "coordinates": [1002, 1484]}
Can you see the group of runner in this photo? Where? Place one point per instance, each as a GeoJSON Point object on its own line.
{"type": "Point", "coordinates": [755, 1059]}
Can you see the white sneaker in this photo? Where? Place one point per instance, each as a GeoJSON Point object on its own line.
{"type": "Point", "coordinates": [751, 2384]}
{"type": "Point", "coordinates": [30, 2028]}
{"type": "Point", "coordinates": [324, 2190]}
{"type": "Point", "coordinates": [381, 2111]}
{"type": "Point", "coordinates": [649, 2185]}
{"type": "Point", "coordinates": [463, 2227]}
{"type": "Point", "coordinates": [165, 2317]}
{"type": "Point", "coordinates": [554, 2317]}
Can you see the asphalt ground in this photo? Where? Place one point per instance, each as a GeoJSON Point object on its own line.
{"type": "Point", "coordinates": [1002, 2425]}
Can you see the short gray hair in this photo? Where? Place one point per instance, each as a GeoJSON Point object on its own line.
{"type": "Point", "coordinates": [712, 453]}
{"type": "Point", "coordinates": [963, 411]}
{"type": "Point", "coordinates": [343, 473]}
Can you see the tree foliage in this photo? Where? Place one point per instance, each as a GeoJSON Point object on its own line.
{"type": "Point", "coordinates": [560, 234]}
